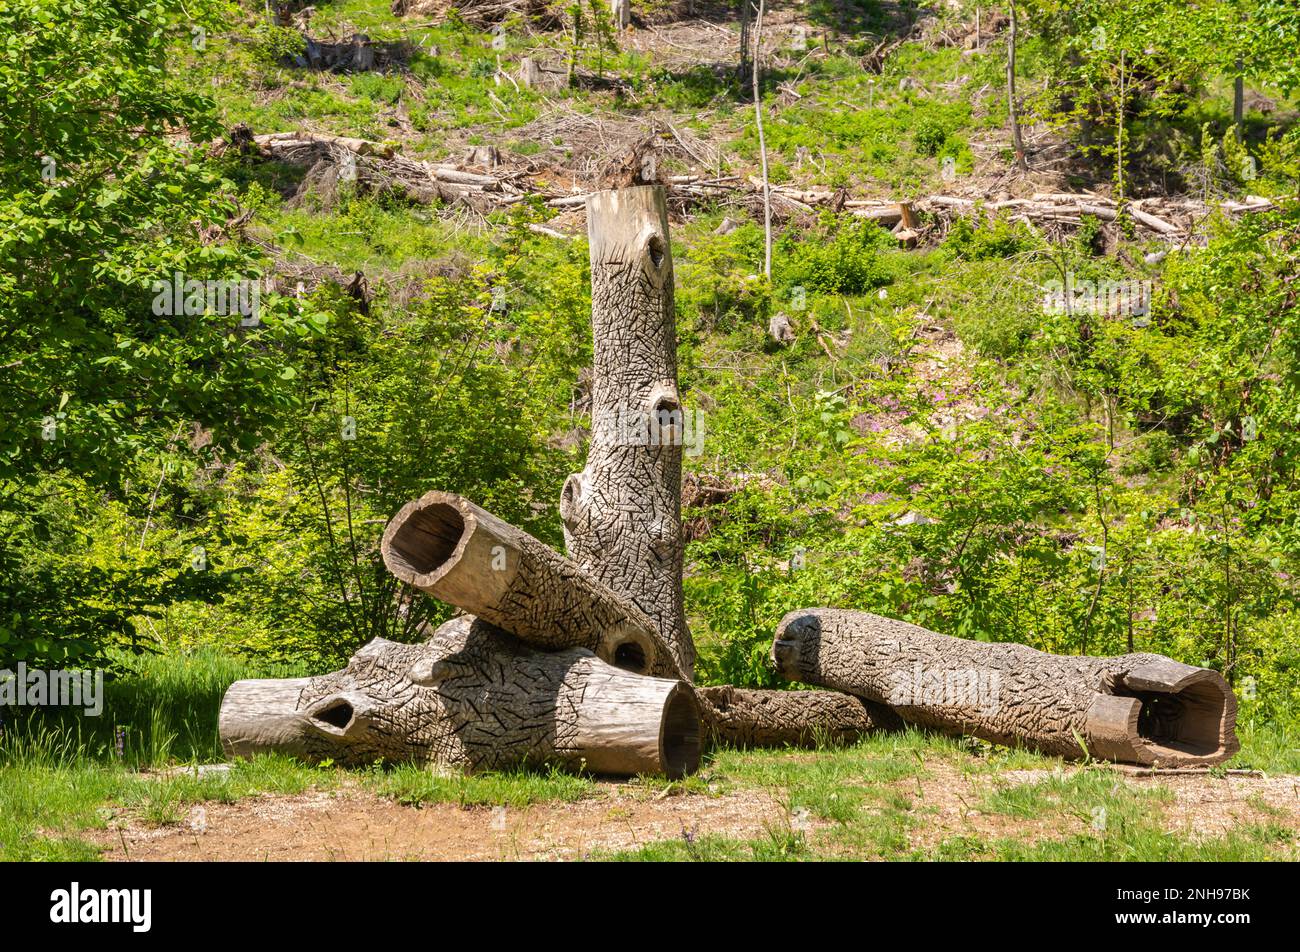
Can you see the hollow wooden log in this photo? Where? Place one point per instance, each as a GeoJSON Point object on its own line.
{"type": "Point", "coordinates": [1137, 708]}
{"type": "Point", "coordinates": [622, 513]}
{"type": "Point", "coordinates": [472, 697]}
{"type": "Point", "coordinates": [748, 717]}
{"type": "Point", "coordinates": [447, 547]}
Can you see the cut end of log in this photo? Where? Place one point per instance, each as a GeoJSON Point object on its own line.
{"type": "Point", "coordinates": [1165, 714]}
{"type": "Point", "coordinates": [425, 539]}
{"type": "Point", "coordinates": [261, 716]}
{"type": "Point", "coordinates": [629, 724]}
{"type": "Point", "coordinates": [679, 737]}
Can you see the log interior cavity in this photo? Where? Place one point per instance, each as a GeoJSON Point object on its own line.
{"type": "Point", "coordinates": [679, 744]}
{"type": "Point", "coordinates": [1187, 722]}
{"type": "Point", "coordinates": [426, 540]}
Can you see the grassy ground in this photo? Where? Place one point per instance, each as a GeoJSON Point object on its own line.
{"type": "Point", "coordinates": [62, 784]}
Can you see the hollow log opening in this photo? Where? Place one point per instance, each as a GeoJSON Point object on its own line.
{"type": "Point", "coordinates": [337, 715]}
{"type": "Point", "coordinates": [679, 738]}
{"type": "Point", "coordinates": [657, 250]}
{"type": "Point", "coordinates": [427, 539]}
{"type": "Point", "coordinates": [630, 656]}
{"type": "Point", "coordinates": [1190, 721]}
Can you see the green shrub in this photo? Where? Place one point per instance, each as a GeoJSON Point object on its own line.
{"type": "Point", "coordinates": [844, 256]}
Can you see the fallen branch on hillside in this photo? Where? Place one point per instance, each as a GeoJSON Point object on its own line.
{"type": "Point", "coordinates": [377, 168]}
{"type": "Point", "coordinates": [1168, 217]}
{"type": "Point", "coordinates": [487, 184]}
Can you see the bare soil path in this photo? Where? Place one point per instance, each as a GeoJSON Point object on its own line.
{"type": "Point", "coordinates": [355, 824]}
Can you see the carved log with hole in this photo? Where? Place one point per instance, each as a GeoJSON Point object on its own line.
{"type": "Point", "coordinates": [586, 661]}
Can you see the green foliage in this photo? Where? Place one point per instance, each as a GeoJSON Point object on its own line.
{"type": "Point", "coordinates": [844, 256]}
{"type": "Point", "coordinates": [929, 137]}
{"type": "Point", "coordinates": [719, 287]}
{"type": "Point", "coordinates": [999, 238]}
{"type": "Point", "coordinates": [276, 45]}
{"type": "Point", "coordinates": [377, 87]}
{"type": "Point", "coordinates": [97, 203]}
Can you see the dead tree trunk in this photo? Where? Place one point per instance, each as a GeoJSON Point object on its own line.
{"type": "Point", "coordinates": [447, 547]}
{"type": "Point", "coordinates": [622, 513]}
{"type": "Point", "coordinates": [1239, 101]}
{"type": "Point", "coordinates": [1013, 109]}
{"type": "Point", "coordinates": [1141, 708]}
{"type": "Point", "coordinates": [473, 697]}
{"type": "Point", "coordinates": [621, 14]}
{"type": "Point", "coordinates": [743, 717]}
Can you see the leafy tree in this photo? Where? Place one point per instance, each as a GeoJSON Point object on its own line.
{"type": "Point", "coordinates": [105, 190]}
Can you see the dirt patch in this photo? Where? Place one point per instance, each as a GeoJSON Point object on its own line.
{"type": "Point", "coordinates": [1203, 805]}
{"type": "Point", "coordinates": [357, 825]}
{"type": "Point", "coordinates": [1206, 806]}
{"type": "Point", "coordinates": [354, 824]}
{"type": "Point", "coordinates": [947, 801]}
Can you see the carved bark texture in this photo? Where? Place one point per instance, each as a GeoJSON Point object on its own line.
{"type": "Point", "coordinates": [473, 697]}
{"type": "Point", "coordinates": [622, 513]}
{"type": "Point", "coordinates": [743, 717]}
{"type": "Point", "coordinates": [1140, 708]}
{"type": "Point", "coordinates": [447, 547]}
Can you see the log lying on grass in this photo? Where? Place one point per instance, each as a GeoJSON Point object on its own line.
{"type": "Point", "coordinates": [746, 717]}
{"type": "Point", "coordinates": [447, 547]}
{"type": "Point", "coordinates": [1138, 708]}
{"type": "Point", "coordinates": [473, 697]}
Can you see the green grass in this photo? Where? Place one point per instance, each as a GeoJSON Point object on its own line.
{"type": "Point", "coordinates": [159, 709]}
{"type": "Point", "coordinates": [1267, 746]}
{"type": "Point", "coordinates": [62, 778]}
{"type": "Point", "coordinates": [44, 807]}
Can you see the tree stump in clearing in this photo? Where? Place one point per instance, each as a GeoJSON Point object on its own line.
{"type": "Point", "coordinates": [1139, 708]}
{"type": "Point", "coordinates": [623, 514]}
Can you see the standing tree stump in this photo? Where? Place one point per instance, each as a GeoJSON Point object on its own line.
{"type": "Point", "coordinates": [623, 513]}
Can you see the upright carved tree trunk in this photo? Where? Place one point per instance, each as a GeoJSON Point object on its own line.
{"type": "Point", "coordinates": [622, 513]}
